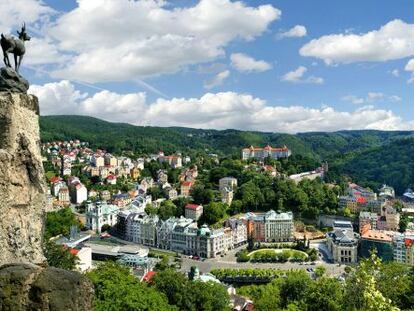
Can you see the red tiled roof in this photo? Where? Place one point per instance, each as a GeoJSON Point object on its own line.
{"type": "Point", "coordinates": [192, 206]}
{"type": "Point", "coordinates": [73, 251]}
{"type": "Point", "coordinates": [54, 179]}
{"type": "Point", "coordinates": [148, 276]}
{"type": "Point", "coordinates": [361, 200]}
{"type": "Point", "coordinates": [408, 242]}
{"type": "Point", "coordinates": [111, 177]}
{"type": "Point", "coordinates": [187, 184]}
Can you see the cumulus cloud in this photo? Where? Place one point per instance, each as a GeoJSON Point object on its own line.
{"type": "Point", "coordinates": [14, 12]}
{"type": "Point", "coordinates": [410, 65]}
{"type": "Point", "coordinates": [353, 99]}
{"type": "Point", "coordinates": [295, 32]}
{"type": "Point", "coordinates": [122, 40]}
{"type": "Point", "coordinates": [370, 98]}
{"type": "Point", "coordinates": [217, 80]}
{"type": "Point", "coordinates": [298, 76]}
{"type": "Point", "coordinates": [245, 63]}
{"type": "Point", "coordinates": [394, 40]}
{"type": "Point", "coordinates": [58, 97]}
{"type": "Point", "coordinates": [214, 110]}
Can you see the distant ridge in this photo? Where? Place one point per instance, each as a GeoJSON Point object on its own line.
{"type": "Point", "coordinates": [369, 156]}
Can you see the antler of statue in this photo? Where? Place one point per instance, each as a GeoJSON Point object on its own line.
{"type": "Point", "coordinates": [15, 46]}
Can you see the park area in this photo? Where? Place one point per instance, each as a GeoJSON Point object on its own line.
{"type": "Point", "coordinates": [277, 255]}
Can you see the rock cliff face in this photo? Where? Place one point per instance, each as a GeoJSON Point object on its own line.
{"type": "Point", "coordinates": [22, 189]}
{"type": "Point", "coordinates": [23, 284]}
{"type": "Point", "coordinates": [30, 287]}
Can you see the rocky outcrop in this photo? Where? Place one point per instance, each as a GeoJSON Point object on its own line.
{"type": "Point", "coordinates": [11, 81]}
{"type": "Point", "coordinates": [30, 287]}
{"type": "Point", "coordinates": [22, 189]}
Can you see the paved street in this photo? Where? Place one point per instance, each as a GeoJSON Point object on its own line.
{"type": "Point", "coordinates": [229, 261]}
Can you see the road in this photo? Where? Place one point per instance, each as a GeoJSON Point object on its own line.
{"type": "Point", "coordinates": [229, 261]}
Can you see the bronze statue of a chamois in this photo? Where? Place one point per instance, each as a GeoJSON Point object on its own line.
{"type": "Point", "coordinates": [14, 45]}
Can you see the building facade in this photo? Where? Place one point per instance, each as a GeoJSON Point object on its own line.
{"type": "Point", "coordinates": [262, 153]}
{"type": "Point", "coordinates": [193, 211]}
{"type": "Point", "coordinates": [100, 214]}
{"type": "Point", "coordinates": [271, 226]}
{"type": "Point", "coordinates": [342, 243]}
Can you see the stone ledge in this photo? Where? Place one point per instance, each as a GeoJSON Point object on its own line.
{"type": "Point", "coordinates": [30, 287]}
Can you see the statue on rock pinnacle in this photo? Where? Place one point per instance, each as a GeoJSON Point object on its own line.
{"type": "Point", "coordinates": [10, 79]}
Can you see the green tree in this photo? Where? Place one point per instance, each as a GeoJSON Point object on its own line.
{"type": "Point", "coordinates": [323, 294]}
{"type": "Point", "coordinates": [117, 289]}
{"type": "Point", "coordinates": [167, 209]}
{"type": "Point", "coordinates": [362, 289]}
{"type": "Point", "coordinates": [213, 212]}
{"type": "Point", "coordinates": [320, 271]}
{"type": "Point", "coordinates": [394, 282]}
{"type": "Point", "coordinates": [59, 222]}
{"type": "Point", "coordinates": [209, 296]}
{"type": "Point", "coordinates": [175, 286]}
{"type": "Point", "coordinates": [59, 256]}
{"type": "Point", "coordinates": [293, 287]}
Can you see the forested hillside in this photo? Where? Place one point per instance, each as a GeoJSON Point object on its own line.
{"type": "Point", "coordinates": [369, 157]}
{"type": "Point", "coordinates": [391, 163]}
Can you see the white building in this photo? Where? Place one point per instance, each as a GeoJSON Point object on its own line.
{"type": "Point", "coordinates": [343, 242]}
{"type": "Point", "coordinates": [193, 211]}
{"type": "Point", "coordinates": [278, 226]}
{"type": "Point", "coordinates": [175, 161]}
{"type": "Point", "coordinates": [227, 182]}
{"type": "Point", "coordinates": [227, 196]}
{"type": "Point", "coordinates": [262, 153]}
{"type": "Point", "coordinates": [97, 160]}
{"type": "Point", "coordinates": [100, 214]}
{"type": "Point", "coordinates": [77, 191]}
{"type": "Point", "coordinates": [238, 231]}
{"type": "Point", "coordinates": [386, 192]}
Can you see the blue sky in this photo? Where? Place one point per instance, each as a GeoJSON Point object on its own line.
{"type": "Point", "coordinates": [290, 66]}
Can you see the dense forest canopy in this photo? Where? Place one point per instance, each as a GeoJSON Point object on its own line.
{"type": "Point", "coordinates": [368, 156]}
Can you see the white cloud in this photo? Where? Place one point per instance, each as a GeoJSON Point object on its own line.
{"type": "Point", "coordinates": [394, 40]}
{"type": "Point", "coordinates": [14, 12]}
{"type": "Point", "coordinates": [395, 73]}
{"type": "Point", "coordinates": [370, 98]}
{"type": "Point", "coordinates": [219, 111]}
{"type": "Point", "coordinates": [394, 98]}
{"type": "Point", "coordinates": [122, 40]}
{"type": "Point", "coordinates": [217, 80]}
{"type": "Point", "coordinates": [58, 97]}
{"type": "Point", "coordinates": [295, 32]}
{"type": "Point", "coordinates": [245, 63]}
{"type": "Point", "coordinates": [353, 99]}
{"type": "Point", "coordinates": [374, 96]}
{"type": "Point", "coordinates": [411, 79]}
{"type": "Point", "coordinates": [297, 76]}
{"type": "Point", "coordinates": [120, 108]}
{"type": "Point", "coordinates": [41, 51]}
{"type": "Point", "coordinates": [410, 65]}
